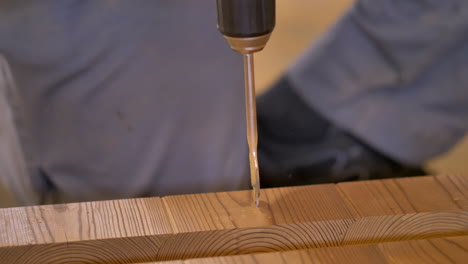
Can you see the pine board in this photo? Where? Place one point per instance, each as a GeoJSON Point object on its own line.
{"type": "Point", "coordinates": [446, 250]}
{"type": "Point", "coordinates": [223, 224]}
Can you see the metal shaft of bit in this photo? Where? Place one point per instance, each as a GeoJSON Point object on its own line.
{"type": "Point", "coordinates": [251, 117]}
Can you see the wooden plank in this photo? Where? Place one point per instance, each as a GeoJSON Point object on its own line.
{"type": "Point", "coordinates": [446, 250]}
{"type": "Point", "coordinates": [357, 255]}
{"type": "Point", "coordinates": [291, 218]}
{"type": "Point", "coordinates": [244, 259]}
{"type": "Point", "coordinates": [457, 187]}
{"type": "Point", "coordinates": [83, 221]}
{"type": "Point", "coordinates": [278, 206]}
{"type": "Point", "coordinates": [397, 196]}
{"type": "Point", "coordinates": [377, 229]}
{"type": "Point", "coordinates": [119, 230]}
{"type": "Point", "coordinates": [426, 194]}
{"type": "Point", "coordinates": [287, 219]}
{"type": "Point", "coordinates": [374, 198]}
{"type": "Point", "coordinates": [220, 224]}
{"type": "Point", "coordinates": [400, 209]}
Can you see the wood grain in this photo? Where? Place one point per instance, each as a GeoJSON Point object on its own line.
{"type": "Point", "coordinates": [447, 250]}
{"type": "Point", "coordinates": [402, 209]}
{"type": "Point", "coordinates": [311, 217]}
{"type": "Point", "coordinates": [457, 187]}
{"type": "Point", "coordinates": [224, 224]}
{"type": "Point", "coordinates": [377, 229]}
{"type": "Point", "coordinates": [115, 231]}
{"type": "Point", "coordinates": [278, 206]}
{"type": "Point", "coordinates": [398, 196]}
{"type": "Point", "coordinates": [83, 221]}
{"type": "Point", "coordinates": [228, 223]}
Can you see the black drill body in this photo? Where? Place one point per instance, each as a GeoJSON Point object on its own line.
{"type": "Point", "coordinates": [246, 18]}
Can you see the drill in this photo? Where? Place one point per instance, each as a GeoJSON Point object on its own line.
{"type": "Point", "coordinates": [247, 26]}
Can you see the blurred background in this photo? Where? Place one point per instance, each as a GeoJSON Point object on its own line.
{"type": "Point", "coordinates": [299, 23]}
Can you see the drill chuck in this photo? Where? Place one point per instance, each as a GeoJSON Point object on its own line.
{"type": "Point", "coordinates": [246, 24]}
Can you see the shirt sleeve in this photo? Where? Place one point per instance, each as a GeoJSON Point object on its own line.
{"type": "Point", "coordinates": [391, 72]}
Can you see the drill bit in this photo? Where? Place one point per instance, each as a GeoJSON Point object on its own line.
{"type": "Point", "coordinates": [251, 117]}
{"type": "Point", "coordinates": [247, 26]}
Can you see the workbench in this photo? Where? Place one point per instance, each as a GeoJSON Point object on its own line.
{"type": "Point", "coordinates": [405, 220]}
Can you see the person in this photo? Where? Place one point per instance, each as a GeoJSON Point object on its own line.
{"type": "Point", "coordinates": [118, 99]}
{"type": "Point", "coordinates": [386, 86]}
